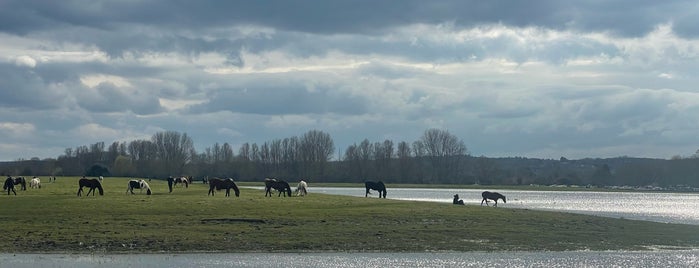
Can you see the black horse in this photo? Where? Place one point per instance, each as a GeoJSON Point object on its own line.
{"type": "Point", "coordinates": [492, 196]}
{"type": "Point", "coordinates": [376, 186]}
{"type": "Point", "coordinates": [92, 184]}
{"type": "Point", "coordinates": [458, 201]}
{"type": "Point", "coordinates": [218, 184]}
{"type": "Point", "coordinates": [279, 185]}
{"type": "Point", "coordinates": [9, 185]}
{"type": "Point", "coordinates": [21, 182]}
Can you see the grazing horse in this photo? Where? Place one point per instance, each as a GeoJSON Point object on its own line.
{"type": "Point", "coordinates": [279, 185]}
{"type": "Point", "coordinates": [92, 184]}
{"type": "Point", "coordinates": [301, 189]}
{"type": "Point", "coordinates": [22, 182]}
{"type": "Point", "coordinates": [9, 185]}
{"type": "Point", "coordinates": [138, 184]}
{"type": "Point", "coordinates": [183, 180]}
{"type": "Point", "coordinates": [218, 184]}
{"type": "Point", "coordinates": [458, 201]}
{"type": "Point", "coordinates": [376, 186]}
{"type": "Point", "coordinates": [492, 196]}
{"type": "Point", "coordinates": [35, 183]}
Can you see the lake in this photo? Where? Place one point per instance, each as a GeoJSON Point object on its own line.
{"type": "Point", "coordinates": [679, 258]}
{"type": "Point", "coordinates": [648, 206]}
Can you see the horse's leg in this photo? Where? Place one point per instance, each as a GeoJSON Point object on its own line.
{"type": "Point", "coordinates": [367, 193]}
{"type": "Point", "coordinates": [80, 190]}
{"type": "Point", "coordinates": [228, 191]}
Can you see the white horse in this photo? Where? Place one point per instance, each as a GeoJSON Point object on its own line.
{"type": "Point", "coordinates": [35, 183]}
{"type": "Point", "coordinates": [302, 188]}
{"type": "Point", "coordinates": [138, 184]}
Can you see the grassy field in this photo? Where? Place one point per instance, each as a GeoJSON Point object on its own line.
{"type": "Point", "coordinates": [54, 219]}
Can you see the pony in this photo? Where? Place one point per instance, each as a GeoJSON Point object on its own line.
{"type": "Point", "coordinates": [138, 184]}
{"type": "Point", "coordinates": [9, 185]}
{"type": "Point", "coordinates": [183, 180]}
{"type": "Point", "coordinates": [279, 185]}
{"type": "Point", "coordinates": [92, 184]}
{"type": "Point", "coordinates": [22, 182]}
{"type": "Point", "coordinates": [492, 196]}
{"type": "Point", "coordinates": [376, 186]}
{"type": "Point", "coordinates": [457, 201]}
{"type": "Point", "coordinates": [35, 183]}
{"type": "Point", "coordinates": [301, 189]}
{"type": "Point", "coordinates": [218, 184]}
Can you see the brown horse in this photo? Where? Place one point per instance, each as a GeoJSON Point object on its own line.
{"type": "Point", "coordinates": [9, 185]}
{"type": "Point", "coordinates": [279, 185]}
{"type": "Point", "coordinates": [218, 184]}
{"type": "Point", "coordinates": [492, 196]}
{"type": "Point", "coordinates": [92, 184]}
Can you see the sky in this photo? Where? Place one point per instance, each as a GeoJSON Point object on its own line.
{"type": "Point", "coordinates": [537, 79]}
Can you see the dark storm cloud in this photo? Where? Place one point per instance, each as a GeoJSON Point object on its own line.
{"type": "Point", "coordinates": [627, 17]}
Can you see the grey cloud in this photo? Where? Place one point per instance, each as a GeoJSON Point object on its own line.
{"type": "Point", "coordinates": [281, 99]}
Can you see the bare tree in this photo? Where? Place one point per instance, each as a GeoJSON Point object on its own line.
{"type": "Point", "coordinates": [444, 151]}
{"type": "Point", "coordinates": [174, 150]}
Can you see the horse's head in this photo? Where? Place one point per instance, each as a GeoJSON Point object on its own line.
{"type": "Point", "coordinates": [148, 192]}
{"type": "Point", "coordinates": [504, 200]}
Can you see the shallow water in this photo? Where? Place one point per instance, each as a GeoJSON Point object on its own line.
{"type": "Point", "coordinates": [649, 206]}
{"type": "Point", "coordinates": [681, 258]}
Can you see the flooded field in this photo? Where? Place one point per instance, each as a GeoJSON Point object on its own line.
{"type": "Point", "coordinates": [680, 258]}
{"type": "Point", "coordinates": [649, 206]}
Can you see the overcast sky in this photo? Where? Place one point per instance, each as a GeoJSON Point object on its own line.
{"type": "Point", "coordinates": [540, 79]}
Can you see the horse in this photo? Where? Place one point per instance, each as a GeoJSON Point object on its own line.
{"type": "Point", "coordinates": [9, 185]}
{"type": "Point", "coordinates": [279, 185]}
{"type": "Point", "coordinates": [92, 184]}
{"type": "Point", "coordinates": [138, 184]}
{"type": "Point", "coordinates": [377, 186]}
{"type": "Point", "coordinates": [492, 196]}
{"type": "Point", "coordinates": [22, 182]}
{"type": "Point", "coordinates": [218, 184]}
{"type": "Point", "coordinates": [301, 189]}
{"type": "Point", "coordinates": [183, 180]}
{"type": "Point", "coordinates": [35, 183]}
{"type": "Point", "coordinates": [458, 201]}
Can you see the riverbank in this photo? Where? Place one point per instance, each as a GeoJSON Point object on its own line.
{"type": "Point", "coordinates": [54, 219]}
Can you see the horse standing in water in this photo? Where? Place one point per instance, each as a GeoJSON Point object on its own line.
{"type": "Point", "coordinates": [9, 185]}
{"type": "Point", "coordinates": [301, 189]}
{"type": "Point", "coordinates": [90, 183]}
{"type": "Point", "coordinates": [492, 196]}
{"type": "Point", "coordinates": [279, 185]}
{"type": "Point", "coordinates": [376, 186]}
{"type": "Point", "coordinates": [138, 184]}
{"type": "Point", "coordinates": [458, 201]}
{"type": "Point", "coordinates": [218, 184]}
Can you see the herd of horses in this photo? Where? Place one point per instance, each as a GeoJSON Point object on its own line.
{"type": "Point", "coordinates": [217, 184]}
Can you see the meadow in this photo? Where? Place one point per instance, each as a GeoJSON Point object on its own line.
{"type": "Point", "coordinates": [55, 219]}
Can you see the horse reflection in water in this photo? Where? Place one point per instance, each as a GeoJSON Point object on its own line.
{"type": "Point", "coordinates": [492, 196]}
{"type": "Point", "coordinates": [218, 184]}
{"type": "Point", "coordinates": [376, 186]}
{"type": "Point", "coordinates": [279, 185]}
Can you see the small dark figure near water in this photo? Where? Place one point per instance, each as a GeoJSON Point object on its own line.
{"type": "Point", "coordinates": [458, 201]}
{"type": "Point", "coordinates": [376, 186]}
{"type": "Point", "coordinates": [9, 185]}
{"type": "Point", "coordinates": [492, 196]}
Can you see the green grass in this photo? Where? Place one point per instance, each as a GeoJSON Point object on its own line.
{"type": "Point", "coordinates": [54, 219]}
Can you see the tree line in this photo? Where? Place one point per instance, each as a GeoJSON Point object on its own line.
{"type": "Point", "coordinates": [436, 157]}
